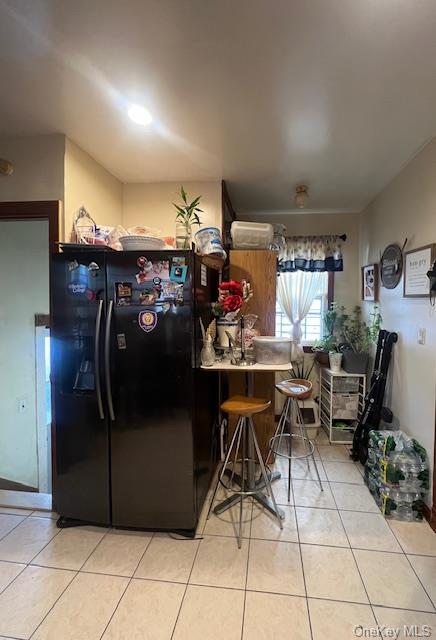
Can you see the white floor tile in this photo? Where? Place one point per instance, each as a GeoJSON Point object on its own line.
{"type": "Point", "coordinates": [27, 540]}
{"type": "Point", "coordinates": [390, 581]}
{"type": "Point", "coordinates": [339, 620]}
{"type": "Point", "coordinates": [219, 563]}
{"type": "Point", "coordinates": [9, 522]}
{"type": "Point", "coordinates": [269, 616]}
{"type": "Point", "coordinates": [84, 609]}
{"type": "Point", "coordinates": [415, 537]}
{"type": "Point", "coordinates": [300, 470]}
{"type": "Point", "coordinates": [227, 523]}
{"type": "Point", "coordinates": [8, 572]}
{"type": "Point", "coordinates": [369, 531]}
{"type": "Point", "coordinates": [275, 567]}
{"type": "Point", "coordinates": [334, 453]}
{"type": "Point", "coordinates": [118, 553]}
{"type": "Point", "coordinates": [168, 559]}
{"type": "Point", "coordinates": [70, 548]}
{"type": "Point", "coordinates": [331, 573]}
{"type": "Point", "coordinates": [404, 621]}
{"type": "Point", "coordinates": [25, 603]}
{"type": "Point", "coordinates": [425, 568]}
{"type": "Point", "coordinates": [280, 489]}
{"type": "Point", "coordinates": [266, 527]}
{"type": "Point", "coordinates": [307, 493]}
{"type": "Point", "coordinates": [352, 497]}
{"type": "Point", "coordinates": [212, 613]}
{"type": "Point", "coordinates": [342, 472]}
{"type": "Point", "coordinates": [321, 526]}
{"type": "Point", "coordinates": [147, 611]}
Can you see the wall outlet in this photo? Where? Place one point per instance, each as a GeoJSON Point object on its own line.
{"type": "Point", "coordinates": [22, 405]}
{"type": "Point", "coordinates": [421, 335]}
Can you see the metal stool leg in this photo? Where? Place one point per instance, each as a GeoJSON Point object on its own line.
{"type": "Point", "coordinates": [238, 430]}
{"type": "Point", "coordinates": [264, 472]}
{"type": "Point", "coordinates": [279, 427]}
{"type": "Point", "coordinates": [243, 429]}
{"type": "Point", "coordinates": [304, 431]}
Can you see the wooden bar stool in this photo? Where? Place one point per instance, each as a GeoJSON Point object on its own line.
{"type": "Point", "coordinates": [294, 390]}
{"type": "Point", "coordinates": [244, 407]}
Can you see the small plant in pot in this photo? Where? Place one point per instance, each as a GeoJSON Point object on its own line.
{"type": "Point", "coordinates": [186, 217]}
{"type": "Point", "coordinates": [329, 342]}
{"type": "Point", "coordinates": [358, 338]}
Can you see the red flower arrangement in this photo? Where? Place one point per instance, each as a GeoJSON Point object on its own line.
{"type": "Point", "coordinates": [231, 296]}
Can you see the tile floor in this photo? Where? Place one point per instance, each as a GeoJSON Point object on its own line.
{"type": "Point", "coordinates": [335, 565]}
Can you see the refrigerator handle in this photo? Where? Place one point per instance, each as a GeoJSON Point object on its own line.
{"type": "Point", "coordinates": [97, 359]}
{"type": "Point", "coordinates": [107, 363]}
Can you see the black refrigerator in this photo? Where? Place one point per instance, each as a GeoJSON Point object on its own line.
{"type": "Point", "coordinates": [135, 419]}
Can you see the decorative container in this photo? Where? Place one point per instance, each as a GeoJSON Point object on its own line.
{"type": "Point", "coordinates": [354, 362]}
{"type": "Point", "coordinates": [223, 326]}
{"type": "Point", "coordinates": [272, 350]}
{"type": "Point", "coordinates": [207, 354]}
{"type": "Point", "coordinates": [335, 360]}
{"type": "Point", "coordinates": [183, 235]}
{"type": "Point", "coordinates": [208, 241]}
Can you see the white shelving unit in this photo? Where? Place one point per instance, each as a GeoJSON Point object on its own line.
{"type": "Point", "coordinates": [342, 397]}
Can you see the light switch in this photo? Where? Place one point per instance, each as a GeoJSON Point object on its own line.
{"type": "Point", "coordinates": [421, 335]}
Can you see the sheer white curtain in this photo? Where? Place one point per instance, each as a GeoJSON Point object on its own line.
{"type": "Point", "coordinates": [296, 291]}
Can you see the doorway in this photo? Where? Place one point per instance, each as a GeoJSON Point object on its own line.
{"type": "Point", "coordinates": [25, 399]}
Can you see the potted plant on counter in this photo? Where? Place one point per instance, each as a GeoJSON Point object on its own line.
{"type": "Point", "coordinates": [358, 338]}
{"type": "Point", "coordinates": [187, 216]}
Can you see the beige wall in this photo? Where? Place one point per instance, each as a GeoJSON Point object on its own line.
{"type": "Point", "coordinates": [407, 209]}
{"type": "Point", "coordinates": [346, 282]}
{"type": "Point", "coordinates": [87, 183]}
{"type": "Point", "coordinates": [24, 291]}
{"type": "Point", "coordinates": [38, 168]}
{"type": "Point", "coordinates": [150, 204]}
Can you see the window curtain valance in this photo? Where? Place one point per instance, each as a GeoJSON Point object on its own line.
{"type": "Point", "coordinates": [311, 253]}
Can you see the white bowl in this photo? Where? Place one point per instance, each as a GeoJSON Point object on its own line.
{"type": "Point", "coordinates": [141, 243]}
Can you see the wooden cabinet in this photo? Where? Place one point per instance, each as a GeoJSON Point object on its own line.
{"type": "Point", "coordinates": [260, 269]}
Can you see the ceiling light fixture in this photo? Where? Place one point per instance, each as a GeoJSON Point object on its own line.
{"type": "Point", "coordinates": [139, 115]}
{"type": "Point", "coordinates": [301, 196]}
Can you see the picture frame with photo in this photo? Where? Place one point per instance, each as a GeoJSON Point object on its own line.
{"type": "Point", "coordinates": [370, 282]}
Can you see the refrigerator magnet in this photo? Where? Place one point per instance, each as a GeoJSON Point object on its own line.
{"type": "Point", "coordinates": [148, 297]}
{"type": "Point", "coordinates": [178, 261]}
{"type": "Point", "coordinates": [121, 341]}
{"type": "Point", "coordinates": [123, 293]}
{"type": "Point", "coordinates": [147, 320]}
{"type": "Point", "coordinates": [178, 274]}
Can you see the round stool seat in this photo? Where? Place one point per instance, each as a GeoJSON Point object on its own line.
{"type": "Point", "coordinates": [244, 405]}
{"type": "Point", "coordinates": [295, 388]}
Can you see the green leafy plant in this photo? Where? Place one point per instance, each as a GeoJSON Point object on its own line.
{"type": "Point", "coordinates": [358, 334]}
{"type": "Point", "coordinates": [332, 320]}
{"type": "Point", "coordinates": [187, 213]}
{"type": "Point", "coordinates": [302, 370]}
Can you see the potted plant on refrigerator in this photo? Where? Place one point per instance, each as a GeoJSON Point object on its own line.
{"type": "Point", "coordinates": [358, 338]}
{"type": "Point", "coordinates": [186, 217]}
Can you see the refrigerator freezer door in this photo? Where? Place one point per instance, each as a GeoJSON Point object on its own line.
{"type": "Point", "coordinates": [152, 466]}
{"type": "Point", "coordinates": [81, 446]}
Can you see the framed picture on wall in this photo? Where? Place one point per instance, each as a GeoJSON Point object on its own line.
{"type": "Point", "coordinates": [370, 283]}
{"type": "Point", "coordinates": [416, 264]}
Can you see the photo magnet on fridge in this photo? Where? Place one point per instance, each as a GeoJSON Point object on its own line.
{"type": "Point", "coordinates": [178, 274]}
{"type": "Point", "coordinates": [123, 294]}
{"type": "Point", "coordinates": [178, 261]}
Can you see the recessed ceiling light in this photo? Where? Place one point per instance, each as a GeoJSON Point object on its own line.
{"type": "Point", "coordinates": [139, 115]}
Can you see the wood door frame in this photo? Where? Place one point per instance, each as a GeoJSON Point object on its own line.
{"type": "Point", "coordinates": [39, 210]}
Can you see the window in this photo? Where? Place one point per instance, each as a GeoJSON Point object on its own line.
{"type": "Point", "coordinates": [311, 326]}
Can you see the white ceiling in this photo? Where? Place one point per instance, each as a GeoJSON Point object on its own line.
{"type": "Point", "coordinates": [338, 94]}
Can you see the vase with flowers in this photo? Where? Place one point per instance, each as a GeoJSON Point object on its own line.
{"type": "Point", "coordinates": [231, 297]}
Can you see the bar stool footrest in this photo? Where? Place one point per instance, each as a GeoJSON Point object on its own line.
{"type": "Point", "coordinates": [227, 473]}
{"type": "Point", "coordinates": [292, 456]}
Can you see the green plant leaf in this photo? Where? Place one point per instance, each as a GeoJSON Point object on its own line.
{"type": "Point", "coordinates": [183, 194]}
